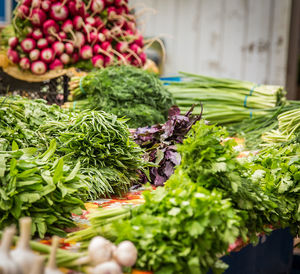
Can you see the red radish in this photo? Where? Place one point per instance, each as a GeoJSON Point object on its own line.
{"type": "Point", "coordinates": [46, 4]}
{"type": "Point", "coordinates": [35, 3]}
{"type": "Point", "coordinates": [59, 12]}
{"type": "Point", "coordinates": [80, 40]}
{"type": "Point", "coordinates": [69, 48]}
{"type": "Point", "coordinates": [38, 17]}
{"type": "Point", "coordinates": [76, 8]}
{"type": "Point", "coordinates": [50, 39]}
{"type": "Point", "coordinates": [98, 61]}
{"type": "Point", "coordinates": [56, 64]}
{"type": "Point", "coordinates": [98, 23]}
{"type": "Point", "coordinates": [106, 46]}
{"type": "Point", "coordinates": [65, 58]}
{"type": "Point", "coordinates": [24, 63]}
{"type": "Point", "coordinates": [22, 11]}
{"type": "Point", "coordinates": [34, 55]}
{"type": "Point", "coordinates": [93, 37]}
{"type": "Point", "coordinates": [126, 57]}
{"type": "Point", "coordinates": [90, 20]}
{"type": "Point", "coordinates": [86, 52]}
{"type": "Point", "coordinates": [67, 26]}
{"type": "Point", "coordinates": [109, 2]}
{"type": "Point", "coordinates": [107, 33]}
{"type": "Point", "coordinates": [28, 31]}
{"type": "Point", "coordinates": [75, 57]}
{"type": "Point", "coordinates": [28, 44]}
{"type": "Point", "coordinates": [62, 35]}
{"type": "Point", "coordinates": [78, 22]}
{"type": "Point", "coordinates": [42, 43]}
{"type": "Point", "coordinates": [101, 37]}
{"type": "Point", "coordinates": [47, 55]}
{"type": "Point", "coordinates": [111, 13]}
{"type": "Point", "coordinates": [97, 6]}
{"type": "Point", "coordinates": [50, 26]}
{"type": "Point", "coordinates": [97, 49]}
{"type": "Point", "coordinates": [37, 34]}
{"type": "Point", "coordinates": [108, 60]}
{"type": "Point", "coordinates": [134, 47]}
{"type": "Point", "coordinates": [58, 48]}
{"type": "Point", "coordinates": [119, 3]}
{"type": "Point", "coordinates": [140, 41]}
{"type": "Point", "coordinates": [13, 56]}
{"type": "Point", "coordinates": [13, 42]}
{"type": "Point", "coordinates": [26, 3]}
{"type": "Point", "coordinates": [143, 57]}
{"type": "Point", "coordinates": [38, 67]}
{"type": "Point", "coordinates": [122, 46]}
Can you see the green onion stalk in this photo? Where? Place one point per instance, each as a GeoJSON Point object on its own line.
{"type": "Point", "coordinates": [226, 100]}
{"type": "Point", "coordinates": [100, 221]}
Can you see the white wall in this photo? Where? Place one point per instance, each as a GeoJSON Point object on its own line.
{"type": "Point", "coordinates": [244, 39]}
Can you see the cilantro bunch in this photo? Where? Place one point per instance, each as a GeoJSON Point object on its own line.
{"type": "Point", "coordinates": [211, 161]}
{"type": "Point", "coordinates": [181, 228]}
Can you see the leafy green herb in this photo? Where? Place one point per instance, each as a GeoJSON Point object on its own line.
{"type": "Point", "coordinates": [39, 186]}
{"type": "Point", "coordinates": [125, 91]}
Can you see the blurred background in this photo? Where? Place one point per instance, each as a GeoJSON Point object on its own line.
{"type": "Point", "coordinates": [255, 40]}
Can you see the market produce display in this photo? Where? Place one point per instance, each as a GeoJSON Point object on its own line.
{"type": "Point", "coordinates": [124, 91]}
{"type": "Point", "coordinates": [50, 35]}
{"type": "Point", "coordinates": [226, 100]}
{"type": "Point", "coordinates": [259, 194]}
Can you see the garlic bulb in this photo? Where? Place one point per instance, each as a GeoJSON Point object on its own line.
{"type": "Point", "coordinates": [99, 250]}
{"type": "Point", "coordinates": [126, 254]}
{"type": "Point", "coordinates": [23, 255]}
{"type": "Point", "coordinates": [107, 268]}
{"type": "Point", "coordinates": [51, 267]}
{"type": "Point", "coordinates": [7, 265]}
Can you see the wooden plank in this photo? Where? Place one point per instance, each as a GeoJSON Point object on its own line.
{"type": "Point", "coordinates": [232, 57]}
{"type": "Point", "coordinates": [257, 46]}
{"type": "Point", "coordinates": [210, 38]}
{"type": "Point", "coordinates": [293, 53]}
{"type": "Point", "coordinates": [186, 35]}
{"type": "Point", "coordinates": [279, 42]}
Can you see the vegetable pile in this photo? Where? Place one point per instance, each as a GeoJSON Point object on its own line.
{"type": "Point", "coordinates": [102, 142]}
{"type": "Point", "coordinates": [53, 34]}
{"type": "Point", "coordinates": [124, 91]}
{"type": "Point", "coordinates": [225, 100]}
{"type": "Point", "coordinates": [217, 197]}
{"type": "Point", "coordinates": [40, 186]}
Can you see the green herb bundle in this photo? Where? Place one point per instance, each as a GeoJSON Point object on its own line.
{"type": "Point", "coordinates": [103, 144]}
{"type": "Point", "coordinates": [21, 118]}
{"type": "Point", "coordinates": [181, 228]}
{"type": "Point", "coordinates": [212, 163]}
{"type": "Point", "coordinates": [277, 170]}
{"type": "Point", "coordinates": [125, 91]}
{"type": "Point", "coordinates": [226, 100]}
{"type": "Point", "coordinates": [40, 186]}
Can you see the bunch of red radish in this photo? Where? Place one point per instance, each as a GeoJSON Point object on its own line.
{"type": "Point", "coordinates": [62, 32]}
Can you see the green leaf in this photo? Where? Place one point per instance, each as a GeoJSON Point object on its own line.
{"type": "Point", "coordinates": [2, 165]}
{"type": "Point", "coordinates": [58, 173]}
{"type": "Point", "coordinates": [49, 153]}
{"type": "Point", "coordinates": [29, 197]}
{"type": "Point", "coordinates": [14, 146]}
{"type": "Point", "coordinates": [73, 172]}
{"type": "Point", "coordinates": [196, 229]}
